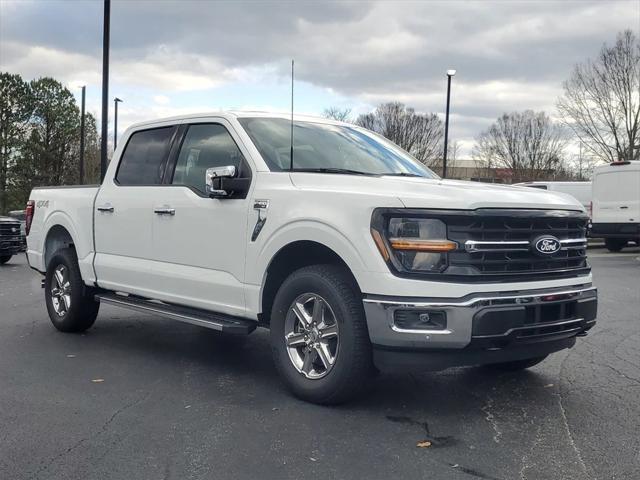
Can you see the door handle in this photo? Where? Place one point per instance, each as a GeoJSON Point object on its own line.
{"type": "Point", "coordinates": [105, 208]}
{"type": "Point", "coordinates": [164, 211]}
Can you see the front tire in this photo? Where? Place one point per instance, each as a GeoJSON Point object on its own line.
{"type": "Point", "coordinates": [615, 244]}
{"type": "Point", "coordinates": [319, 335]}
{"type": "Point", "coordinates": [70, 302]}
{"type": "Point", "coordinates": [5, 258]}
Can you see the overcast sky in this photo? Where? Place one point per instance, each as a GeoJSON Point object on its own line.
{"type": "Point", "coordinates": [172, 57]}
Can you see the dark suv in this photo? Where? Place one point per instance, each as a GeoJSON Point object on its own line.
{"type": "Point", "coordinates": [11, 238]}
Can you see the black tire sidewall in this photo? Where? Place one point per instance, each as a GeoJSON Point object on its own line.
{"type": "Point", "coordinates": [342, 302]}
{"type": "Point", "coordinates": [83, 310]}
{"type": "Point", "coordinates": [615, 244]}
{"type": "Point", "coordinates": [5, 258]}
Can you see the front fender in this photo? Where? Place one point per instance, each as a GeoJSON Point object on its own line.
{"type": "Point", "coordinates": [309, 230]}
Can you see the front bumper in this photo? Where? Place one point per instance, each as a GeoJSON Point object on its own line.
{"type": "Point", "coordinates": [480, 325]}
{"type": "Point", "coordinates": [11, 245]}
{"type": "Point", "coordinates": [615, 230]}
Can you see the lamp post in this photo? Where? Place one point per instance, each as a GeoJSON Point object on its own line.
{"type": "Point", "coordinates": [105, 87]}
{"type": "Point", "coordinates": [116, 101]}
{"type": "Point", "coordinates": [450, 73]}
{"type": "Point", "coordinates": [82, 109]}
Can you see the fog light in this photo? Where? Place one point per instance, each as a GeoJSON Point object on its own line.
{"type": "Point", "coordinates": [420, 319]}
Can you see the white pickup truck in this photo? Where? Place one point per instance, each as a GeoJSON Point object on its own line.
{"type": "Point", "coordinates": [352, 253]}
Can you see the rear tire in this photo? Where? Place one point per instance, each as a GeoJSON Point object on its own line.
{"type": "Point", "coordinates": [517, 365]}
{"type": "Point", "coordinates": [320, 309]}
{"type": "Point", "coordinates": [615, 244]}
{"type": "Point", "coordinates": [70, 302]}
{"type": "Point", "coordinates": [5, 258]}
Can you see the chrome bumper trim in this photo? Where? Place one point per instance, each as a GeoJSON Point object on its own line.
{"type": "Point", "coordinates": [517, 299]}
{"type": "Point", "coordinates": [397, 329]}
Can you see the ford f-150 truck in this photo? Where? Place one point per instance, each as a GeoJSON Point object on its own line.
{"type": "Point", "coordinates": [11, 240]}
{"type": "Point", "coordinates": [355, 255]}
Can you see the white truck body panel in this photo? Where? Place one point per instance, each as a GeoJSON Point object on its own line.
{"type": "Point", "coordinates": [71, 208]}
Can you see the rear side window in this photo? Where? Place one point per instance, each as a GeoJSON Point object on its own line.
{"type": "Point", "coordinates": [144, 157]}
{"type": "Point", "coordinates": [205, 146]}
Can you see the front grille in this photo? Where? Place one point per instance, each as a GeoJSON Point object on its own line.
{"type": "Point", "coordinates": [9, 229]}
{"type": "Point", "coordinates": [10, 237]}
{"type": "Point", "coordinates": [501, 243]}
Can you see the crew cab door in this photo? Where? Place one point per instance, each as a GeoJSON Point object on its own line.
{"type": "Point", "coordinates": [199, 243]}
{"type": "Point", "coordinates": [124, 211]}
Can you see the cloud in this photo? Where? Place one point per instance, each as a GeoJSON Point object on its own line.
{"type": "Point", "coordinates": [161, 99]}
{"type": "Point", "coordinates": [509, 55]}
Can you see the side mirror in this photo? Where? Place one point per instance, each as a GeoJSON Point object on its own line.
{"type": "Point", "coordinates": [214, 180]}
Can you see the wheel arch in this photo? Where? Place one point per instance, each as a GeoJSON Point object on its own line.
{"type": "Point", "coordinates": [61, 231]}
{"type": "Point", "coordinates": [291, 257]}
{"type": "Point", "coordinates": [58, 237]}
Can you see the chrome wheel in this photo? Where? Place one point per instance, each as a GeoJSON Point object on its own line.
{"type": "Point", "coordinates": [311, 336]}
{"type": "Point", "coordinates": [61, 291]}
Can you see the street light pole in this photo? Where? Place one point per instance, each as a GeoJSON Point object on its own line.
{"type": "Point", "coordinates": [450, 73]}
{"type": "Point", "coordinates": [82, 109]}
{"type": "Point", "coordinates": [105, 87]}
{"type": "Point", "coordinates": [116, 101]}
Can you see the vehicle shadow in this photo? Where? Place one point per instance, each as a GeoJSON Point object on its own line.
{"type": "Point", "coordinates": [171, 346]}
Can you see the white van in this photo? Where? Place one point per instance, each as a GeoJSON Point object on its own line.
{"type": "Point", "coordinates": [581, 191]}
{"type": "Point", "coordinates": [616, 204]}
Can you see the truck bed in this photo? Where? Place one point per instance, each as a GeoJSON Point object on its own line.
{"type": "Point", "coordinates": [70, 207]}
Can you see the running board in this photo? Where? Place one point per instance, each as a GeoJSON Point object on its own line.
{"type": "Point", "coordinates": [215, 321]}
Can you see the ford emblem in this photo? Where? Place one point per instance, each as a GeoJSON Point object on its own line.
{"type": "Point", "coordinates": [14, 229]}
{"type": "Point", "coordinates": [547, 245]}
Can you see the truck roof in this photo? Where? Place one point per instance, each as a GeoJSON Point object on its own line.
{"type": "Point", "coordinates": [234, 114]}
{"type": "Point", "coordinates": [618, 166]}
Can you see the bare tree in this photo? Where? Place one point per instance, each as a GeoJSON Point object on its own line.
{"type": "Point", "coordinates": [419, 134]}
{"type": "Point", "coordinates": [601, 101]}
{"type": "Point", "coordinates": [527, 143]}
{"type": "Point", "coordinates": [453, 153]}
{"type": "Point", "coordinates": [337, 113]}
{"type": "Point", "coordinates": [581, 165]}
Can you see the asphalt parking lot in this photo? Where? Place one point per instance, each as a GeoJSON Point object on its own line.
{"type": "Point", "coordinates": [139, 397]}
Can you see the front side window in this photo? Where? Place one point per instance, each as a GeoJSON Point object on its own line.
{"type": "Point", "coordinates": [204, 146]}
{"type": "Point", "coordinates": [329, 148]}
{"type": "Point", "coordinates": [144, 157]}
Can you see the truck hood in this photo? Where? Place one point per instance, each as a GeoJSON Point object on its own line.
{"type": "Point", "coordinates": [416, 192]}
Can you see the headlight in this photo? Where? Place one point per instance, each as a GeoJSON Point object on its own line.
{"type": "Point", "coordinates": [412, 244]}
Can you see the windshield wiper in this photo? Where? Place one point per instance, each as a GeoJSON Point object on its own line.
{"type": "Point", "coordinates": [332, 170]}
{"type": "Point", "coordinates": [402, 174]}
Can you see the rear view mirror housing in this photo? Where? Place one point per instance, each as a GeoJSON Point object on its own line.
{"type": "Point", "coordinates": [222, 182]}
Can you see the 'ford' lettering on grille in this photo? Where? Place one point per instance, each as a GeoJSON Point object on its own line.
{"type": "Point", "coordinates": [547, 245]}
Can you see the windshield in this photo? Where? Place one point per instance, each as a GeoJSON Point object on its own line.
{"type": "Point", "coordinates": [329, 149]}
